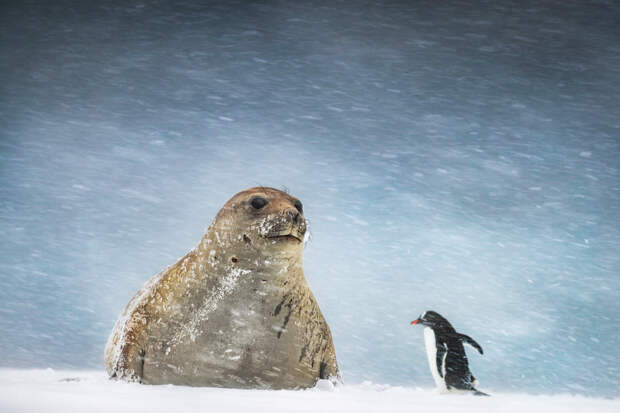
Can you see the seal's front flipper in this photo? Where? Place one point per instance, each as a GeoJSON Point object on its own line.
{"type": "Point", "coordinates": [130, 364]}
{"type": "Point", "coordinates": [328, 370]}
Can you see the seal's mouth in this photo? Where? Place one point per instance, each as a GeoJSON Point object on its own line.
{"type": "Point", "coordinates": [291, 234]}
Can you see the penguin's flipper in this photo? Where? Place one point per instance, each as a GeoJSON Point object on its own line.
{"type": "Point", "coordinates": [440, 359]}
{"type": "Point", "coordinates": [471, 342]}
{"type": "Point", "coordinates": [480, 393]}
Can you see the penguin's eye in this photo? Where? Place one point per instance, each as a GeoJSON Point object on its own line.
{"type": "Point", "coordinates": [258, 202]}
{"type": "Point", "coordinates": [299, 207]}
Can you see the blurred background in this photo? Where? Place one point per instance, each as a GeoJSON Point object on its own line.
{"type": "Point", "coordinates": [460, 156]}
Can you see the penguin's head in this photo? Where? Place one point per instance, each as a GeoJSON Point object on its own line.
{"type": "Point", "coordinates": [431, 319]}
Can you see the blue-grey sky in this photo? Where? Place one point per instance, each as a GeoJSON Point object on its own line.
{"type": "Point", "coordinates": [455, 156]}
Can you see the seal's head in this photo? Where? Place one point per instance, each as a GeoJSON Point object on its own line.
{"type": "Point", "coordinates": [267, 218]}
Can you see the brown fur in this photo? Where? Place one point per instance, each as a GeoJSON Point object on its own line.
{"type": "Point", "coordinates": [234, 312]}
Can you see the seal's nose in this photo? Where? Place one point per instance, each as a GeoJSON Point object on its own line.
{"type": "Point", "coordinates": [294, 215]}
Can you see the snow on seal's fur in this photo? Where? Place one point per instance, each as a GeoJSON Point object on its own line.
{"type": "Point", "coordinates": [209, 305]}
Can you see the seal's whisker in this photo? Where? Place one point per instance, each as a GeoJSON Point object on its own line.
{"type": "Point", "coordinates": [308, 234]}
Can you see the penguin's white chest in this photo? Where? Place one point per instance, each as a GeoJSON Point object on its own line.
{"type": "Point", "coordinates": [431, 353]}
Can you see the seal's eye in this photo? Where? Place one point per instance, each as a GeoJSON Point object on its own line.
{"type": "Point", "coordinates": [258, 202]}
{"type": "Point", "coordinates": [299, 207]}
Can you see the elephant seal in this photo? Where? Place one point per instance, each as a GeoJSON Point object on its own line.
{"type": "Point", "coordinates": [236, 311]}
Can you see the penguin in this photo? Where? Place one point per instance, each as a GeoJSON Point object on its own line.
{"type": "Point", "coordinates": [446, 355]}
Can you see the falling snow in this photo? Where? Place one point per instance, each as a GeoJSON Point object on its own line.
{"type": "Point", "coordinates": [456, 156]}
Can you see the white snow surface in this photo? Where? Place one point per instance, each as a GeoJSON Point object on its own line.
{"type": "Point", "coordinates": [91, 391]}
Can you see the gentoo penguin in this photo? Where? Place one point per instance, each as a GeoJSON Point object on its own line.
{"type": "Point", "coordinates": [446, 355]}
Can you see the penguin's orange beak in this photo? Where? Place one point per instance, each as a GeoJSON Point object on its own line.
{"type": "Point", "coordinates": [415, 321]}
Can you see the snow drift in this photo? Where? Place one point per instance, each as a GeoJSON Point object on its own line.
{"type": "Point", "coordinates": [90, 391]}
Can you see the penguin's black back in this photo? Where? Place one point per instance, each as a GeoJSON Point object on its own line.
{"type": "Point", "coordinates": [457, 374]}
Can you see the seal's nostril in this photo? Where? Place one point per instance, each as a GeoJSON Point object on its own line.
{"type": "Point", "coordinates": [299, 207]}
{"type": "Point", "coordinates": [294, 215]}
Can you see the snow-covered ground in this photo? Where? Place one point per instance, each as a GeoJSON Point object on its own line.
{"type": "Point", "coordinates": [90, 391]}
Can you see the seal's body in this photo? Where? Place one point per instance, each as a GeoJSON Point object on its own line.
{"type": "Point", "coordinates": [446, 356]}
{"type": "Point", "coordinates": [236, 311]}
